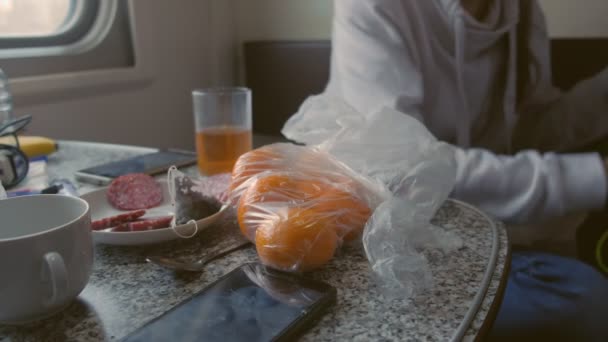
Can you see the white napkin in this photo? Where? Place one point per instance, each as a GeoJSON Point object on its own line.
{"type": "Point", "coordinates": [2, 192]}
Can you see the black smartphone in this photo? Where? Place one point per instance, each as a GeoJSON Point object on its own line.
{"type": "Point", "coordinates": [251, 303]}
{"type": "Point", "coordinates": [151, 163]}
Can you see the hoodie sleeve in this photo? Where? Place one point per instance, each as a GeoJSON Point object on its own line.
{"type": "Point", "coordinates": [529, 186]}
{"type": "Point", "coordinates": [374, 64]}
{"type": "Point", "coordinates": [371, 68]}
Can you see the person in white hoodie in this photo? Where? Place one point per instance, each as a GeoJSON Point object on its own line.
{"type": "Point", "coordinates": [477, 74]}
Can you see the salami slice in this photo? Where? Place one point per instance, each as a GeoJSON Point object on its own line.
{"type": "Point", "coordinates": [147, 224]}
{"type": "Point", "coordinates": [116, 220]}
{"type": "Point", "coordinates": [134, 191]}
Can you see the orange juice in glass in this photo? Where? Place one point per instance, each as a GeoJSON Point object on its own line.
{"type": "Point", "coordinates": [222, 118]}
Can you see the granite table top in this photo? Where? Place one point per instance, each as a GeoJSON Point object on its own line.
{"type": "Point", "coordinates": [125, 292]}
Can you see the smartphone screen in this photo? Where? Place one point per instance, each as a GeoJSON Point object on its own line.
{"type": "Point", "coordinates": [147, 163]}
{"type": "Point", "coordinates": [251, 303]}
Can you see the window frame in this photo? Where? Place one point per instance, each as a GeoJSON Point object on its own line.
{"type": "Point", "coordinates": [83, 30]}
{"type": "Point", "coordinates": [44, 89]}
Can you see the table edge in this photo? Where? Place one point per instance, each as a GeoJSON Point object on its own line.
{"type": "Point", "coordinates": [486, 281]}
{"type": "Point", "coordinates": [130, 148]}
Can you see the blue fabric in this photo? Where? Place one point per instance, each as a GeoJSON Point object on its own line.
{"type": "Point", "coordinates": [553, 298]}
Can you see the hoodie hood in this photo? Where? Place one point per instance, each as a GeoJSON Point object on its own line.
{"type": "Point", "coordinates": [473, 38]}
{"type": "Point", "coordinates": [463, 78]}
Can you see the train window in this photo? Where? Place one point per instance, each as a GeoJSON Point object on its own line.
{"type": "Point", "coordinates": [57, 36]}
{"type": "Point", "coordinates": [31, 18]}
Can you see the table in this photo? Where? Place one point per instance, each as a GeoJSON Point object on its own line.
{"type": "Point", "coordinates": [125, 292]}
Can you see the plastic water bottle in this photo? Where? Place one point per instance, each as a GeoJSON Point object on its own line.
{"type": "Point", "coordinates": [6, 99]}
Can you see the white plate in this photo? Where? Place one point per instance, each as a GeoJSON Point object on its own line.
{"type": "Point", "coordinates": [100, 208]}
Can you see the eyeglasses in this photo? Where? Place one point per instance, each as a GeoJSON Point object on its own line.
{"type": "Point", "coordinates": [14, 164]}
{"type": "Point", "coordinates": [13, 126]}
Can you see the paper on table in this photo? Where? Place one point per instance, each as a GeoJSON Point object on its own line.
{"type": "Point", "coordinates": [2, 192]}
{"type": "Point", "coordinates": [37, 177]}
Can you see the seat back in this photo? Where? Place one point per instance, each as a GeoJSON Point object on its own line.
{"type": "Point", "coordinates": [282, 74]}
{"type": "Point", "coordinates": [576, 59]}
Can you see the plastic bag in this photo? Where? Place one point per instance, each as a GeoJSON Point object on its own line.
{"type": "Point", "coordinates": [280, 286]}
{"type": "Point", "coordinates": [192, 199]}
{"type": "Point", "coordinates": [299, 204]}
{"type": "Point", "coordinates": [396, 152]}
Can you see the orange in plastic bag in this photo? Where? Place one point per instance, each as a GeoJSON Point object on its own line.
{"type": "Point", "coordinates": [282, 188]}
{"type": "Point", "coordinates": [342, 211]}
{"type": "Point", "coordinates": [284, 157]}
{"type": "Point", "coordinates": [346, 213]}
{"type": "Point", "coordinates": [252, 163]}
{"type": "Point", "coordinates": [296, 240]}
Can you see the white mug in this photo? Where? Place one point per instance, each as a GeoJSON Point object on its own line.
{"type": "Point", "coordinates": [46, 255]}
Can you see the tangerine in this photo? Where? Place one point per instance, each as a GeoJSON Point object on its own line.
{"type": "Point", "coordinates": [295, 240]}
{"type": "Point", "coordinates": [266, 194]}
{"type": "Point", "coordinates": [346, 213]}
{"type": "Point", "coordinates": [252, 163]}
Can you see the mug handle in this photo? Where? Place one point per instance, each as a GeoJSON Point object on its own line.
{"type": "Point", "coordinates": [59, 278]}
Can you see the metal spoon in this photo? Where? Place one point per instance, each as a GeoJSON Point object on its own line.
{"type": "Point", "coordinates": [196, 266]}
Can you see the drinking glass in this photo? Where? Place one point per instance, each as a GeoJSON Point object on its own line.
{"type": "Point", "coordinates": [222, 119]}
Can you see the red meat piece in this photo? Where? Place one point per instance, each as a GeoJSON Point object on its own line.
{"type": "Point", "coordinates": [112, 221]}
{"type": "Point", "coordinates": [147, 224]}
{"type": "Point", "coordinates": [134, 191]}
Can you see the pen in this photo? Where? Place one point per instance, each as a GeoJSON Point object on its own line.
{"type": "Point", "coordinates": [53, 189]}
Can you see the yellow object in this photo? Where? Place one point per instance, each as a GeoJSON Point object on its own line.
{"type": "Point", "coordinates": [32, 146]}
